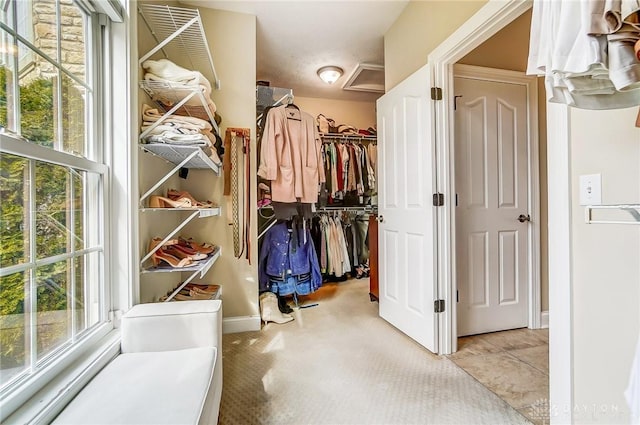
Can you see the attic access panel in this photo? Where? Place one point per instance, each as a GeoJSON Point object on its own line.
{"type": "Point", "coordinates": [367, 78]}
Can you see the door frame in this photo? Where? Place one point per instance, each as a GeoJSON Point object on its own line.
{"type": "Point", "coordinates": [533, 180]}
{"type": "Point", "coordinates": [490, 19]}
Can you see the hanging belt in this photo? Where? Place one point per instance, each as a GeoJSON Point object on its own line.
{"type": "Point", "coordinates": [235, 195]}
{"type": "Point", "coordinates": [241, 219]}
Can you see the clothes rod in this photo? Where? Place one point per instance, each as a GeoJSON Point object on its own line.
{"type": "Point", "coordinates": [364, 208]}
{"type": "Point", "coordinates": [343, 136]}
{"type": "Point", "coordinates": [632, 209]}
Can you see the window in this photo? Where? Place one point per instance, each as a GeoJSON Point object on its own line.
{"type": "Point", "coordinates": [52, 187]}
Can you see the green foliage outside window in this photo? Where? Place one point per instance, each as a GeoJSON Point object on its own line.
{"type": "Point", "coordinates": [54, 200]}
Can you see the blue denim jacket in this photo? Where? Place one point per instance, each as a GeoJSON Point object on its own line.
{"type": "Point", "coordinates": [277, 256]}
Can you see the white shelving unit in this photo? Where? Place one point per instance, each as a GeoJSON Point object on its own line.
{"type": "Point", "coordinates": [199, 269]}
{"type": "Point", "coordinates": [182, 156]}
{"type": "Point", "coordinates": [177, 94]}
{"type": "Point", "coordinates": [179, 33]}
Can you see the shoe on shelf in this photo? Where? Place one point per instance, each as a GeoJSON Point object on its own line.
{"type": "Point", "coordinates": [181, 297]}
{"type": "Point", "coordinates": [209, 289]}
{"type": "Point", "coordinates": [269, 311]}
{"type": "Point", "coordinates": [179, 251]}
{"type": "Point", "coordinates": [204, 248]}
{"type": "Point", "coordinates": [175, 195]}
{"type": "Point", "coordinates": [160, 255]}
{"type": "Point", "coordinates": [162, 202]}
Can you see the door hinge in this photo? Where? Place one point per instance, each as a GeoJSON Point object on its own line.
{"type": "Point", "coordinates": [438, 306]}
{"type": "Point", "coordinates": [436, 93]}
{"type": "Point", "coordinates": [438, 199]}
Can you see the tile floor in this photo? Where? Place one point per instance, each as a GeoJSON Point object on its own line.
{"type": "Point", "coordinates": [514, 365]}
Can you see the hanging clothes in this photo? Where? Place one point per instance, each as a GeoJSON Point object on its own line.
{"type": "Point", "coordinates": [341, 242]}
{"type": "Point", "coordinates": [585, 50]}
{"type": "Point", "coordinates": [291, 155]}
{"type": "Point", "coordinates": [350, 172]}
{"type": "Point", "coordinates": [288, 262]}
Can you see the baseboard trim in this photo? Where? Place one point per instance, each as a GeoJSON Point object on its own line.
{"type": "Point", "coordinates": [544, 319]}
{"type": "Point", "coordinates": [231, 325]}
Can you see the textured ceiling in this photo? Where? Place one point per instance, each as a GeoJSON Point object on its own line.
{"type": "Point", "coordinates": [295, 38]}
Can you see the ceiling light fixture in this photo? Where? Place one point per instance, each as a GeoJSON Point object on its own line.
{"type": "Point", "coordinates": [330, 74]}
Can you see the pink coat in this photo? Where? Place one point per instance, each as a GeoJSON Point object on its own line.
{"type": "Point", "coordinates": [291, 155]}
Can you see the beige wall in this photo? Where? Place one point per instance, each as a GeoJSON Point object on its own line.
{"type": "Point", "coordinates": [421, 27]}
{"type": "Point", "coordinates": [507, 49]}
{"type": "Point", "coordinates": [361, 115]}
{"type": "Point", "coordinates": [606, 265]}
{"type": "Point", "coordinates": [232, 41]}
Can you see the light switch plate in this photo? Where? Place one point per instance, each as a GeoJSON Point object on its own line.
{"type": "Point", "coordinates": [591, 189]}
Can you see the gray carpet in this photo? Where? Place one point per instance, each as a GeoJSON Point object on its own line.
{"type": "Point", "coordinates": [339, 363]}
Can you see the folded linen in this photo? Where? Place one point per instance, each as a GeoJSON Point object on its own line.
{"type": "Point", "coordinates": [171, 128]}
{"type": "Point", "coordinates": [167, 70]}
{"type": "Point", "coordinates": [178, 90]}
{"type": "Point", "coordinates": [150, 114]}
{"type": "Point", "coordinates": [169, 97]}
{"type": "Point", "coordinates": [196, 111]}
{"type": "Point", "coordinates": [179, 139]}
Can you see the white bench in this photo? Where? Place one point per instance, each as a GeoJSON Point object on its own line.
{"type": "Point", "coordinates": [169, 370]}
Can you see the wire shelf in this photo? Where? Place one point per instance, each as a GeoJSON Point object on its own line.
{"type": "Point", "coordinates": [173, 98]}
{"type": "Point", "coordinates": [180, 34]}
{"type": "Point", "coordinates": [200, 267]}
{"type": "Point", "coordinates": [202, 212]}
{"type": "Point", "coordinates": [177, 154]}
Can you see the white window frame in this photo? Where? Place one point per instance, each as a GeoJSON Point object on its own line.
{"type": "Point", "coordinates": [43, 394]}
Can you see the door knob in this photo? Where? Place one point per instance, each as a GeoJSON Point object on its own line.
{"type": "Point", "coordinates": [522, 218]}
{"type": "Point", "coordinates": [380, 218]}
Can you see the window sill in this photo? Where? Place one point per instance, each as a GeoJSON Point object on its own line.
{"type": "Point", "coordinates": [50, 400]}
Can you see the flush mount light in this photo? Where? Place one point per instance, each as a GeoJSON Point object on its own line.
{"type": "Point", "coordinates": [330, 74]}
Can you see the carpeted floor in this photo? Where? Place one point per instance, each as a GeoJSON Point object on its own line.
{"type": "Point", "coordinates": [339, 363]}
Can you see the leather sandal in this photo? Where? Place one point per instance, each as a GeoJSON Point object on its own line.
{"type": "Point", "coordinates": [162, 202]}
{"type": "Point", "coordinates": [161, 255]}
{"type": "Point", "coordinates": [204, 248]}
{"type": "Point", "coordinates": [175, 195]}
{"type": "Point", "coordinates": [180, 252]}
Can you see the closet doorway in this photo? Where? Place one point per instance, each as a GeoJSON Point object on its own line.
{"type": "Point", "coordinates": [496, 180]}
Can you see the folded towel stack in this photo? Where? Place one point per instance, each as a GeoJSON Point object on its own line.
{"type": "Point", "coordinates": [189, 125]}
{"type": "Point", "coordinates": [179, 80]}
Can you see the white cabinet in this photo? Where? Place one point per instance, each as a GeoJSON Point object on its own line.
{"type": "Point", "coordinates": [178, 33]}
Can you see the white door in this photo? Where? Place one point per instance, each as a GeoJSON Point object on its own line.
{"type": "Point", "coordinates": [491, 169]}
{"type": "Point", "coordinates": [407, 241]}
